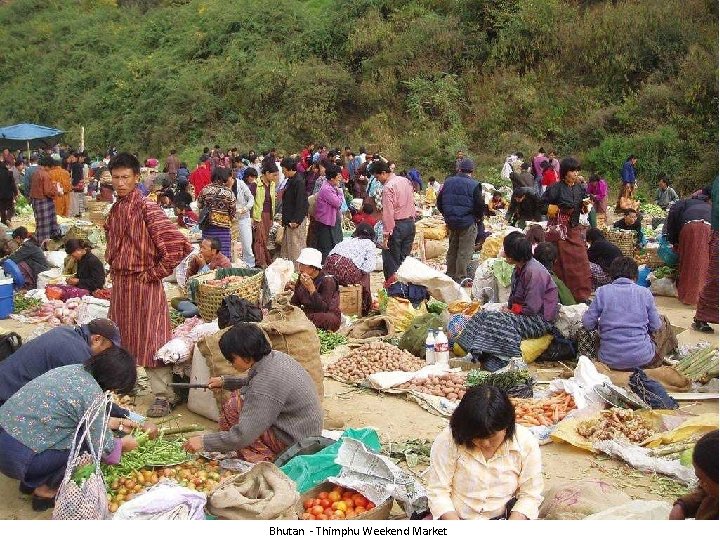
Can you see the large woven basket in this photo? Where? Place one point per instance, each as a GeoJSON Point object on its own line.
{"type": "Point", "coordinates": [209, 297]}
{"type": "Point", "coordinates": [649, 258]}
{"type": "Point", "coordinates": [625, 240]}
{"type": "Point", "coordinates": [97, 218]}
{"type": "Point", "coordinates": [96, 206]}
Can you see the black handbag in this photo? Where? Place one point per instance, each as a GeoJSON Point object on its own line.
{"type": "Point", "coordinates": [204, 218]}
{"type": "Point", "coordinates": [9, 343]}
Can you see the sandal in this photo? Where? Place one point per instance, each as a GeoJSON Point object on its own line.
{"type": "Point", "coordinates": [702, 326]}
{"type": "Point", "coordinates": [160, 407]}
{"type": "Point", "coordinates": [40, 504]}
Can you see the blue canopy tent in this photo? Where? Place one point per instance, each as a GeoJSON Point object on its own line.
{"type": "Point", "coordinates": [19, 136]}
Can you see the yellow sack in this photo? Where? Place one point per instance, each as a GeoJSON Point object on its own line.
{"type": "Point", "coordinates": [458, 350]}
{"type": "Point", "coordinates": [697, 425]}
{"type": "Point", "coordinates": [435, 233]}
{"type": "Point", "coordinates": [532, 348]}
{"type": "Point", "coordinates": [430, 197]}
{"type": "Point", "coordinates": [402, 313]}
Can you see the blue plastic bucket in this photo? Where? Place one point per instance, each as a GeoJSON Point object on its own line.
{"type": "Point", "coordinates": [7, 301]}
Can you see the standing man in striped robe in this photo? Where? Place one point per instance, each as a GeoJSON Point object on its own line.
{"type": "Point", "coordinates": [143, 247]}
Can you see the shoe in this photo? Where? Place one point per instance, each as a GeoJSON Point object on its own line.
{"type": "Point", "coordinates": [25, 489]}
{"type": "Point", "coordinates": [41, 504]}
{"type": "Point", "coordinates": [702, 326]}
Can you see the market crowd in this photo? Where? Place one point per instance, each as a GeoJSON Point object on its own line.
{"type": "Point", "coordinates": [255, 208]}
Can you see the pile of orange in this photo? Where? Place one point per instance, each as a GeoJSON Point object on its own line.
{"type": "Point", "coordinates": [339, 503]}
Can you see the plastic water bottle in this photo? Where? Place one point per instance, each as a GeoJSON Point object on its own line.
{"type": "Point", "coordinates": [430, 347]}
{"type": "Point", "coordinates": [442, 351]}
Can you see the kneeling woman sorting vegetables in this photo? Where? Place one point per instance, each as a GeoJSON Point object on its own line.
{"type": "Point", "coordinates": [484, 465]}
{"type": "Point", "coordinates": [38, 422]}
{"type": "Point", "coordinates": [276, 406]}
{"type": "Point", "coordinates": [532, 307]}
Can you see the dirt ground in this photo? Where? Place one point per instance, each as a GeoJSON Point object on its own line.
{"type": "Point", "coordinates": [397, 419]}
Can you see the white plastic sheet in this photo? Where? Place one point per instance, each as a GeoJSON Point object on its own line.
{"type": "Point", "coordinates": [441, 286]}
{"type": "Point", "coordinates": [581, 385]}
{"type": "Point", "coordinates": [166, 500]}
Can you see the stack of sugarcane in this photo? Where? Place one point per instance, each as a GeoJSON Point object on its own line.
{"type": "Point", "coordinates": [699, 366]}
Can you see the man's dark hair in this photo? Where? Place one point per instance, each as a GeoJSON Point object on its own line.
{"type": "Point", "coordinates": [250, 171]}
{"type": "Point", "coordinates": [124, 160]}
{"type": "Point", "coordinates": [289, 163]}
{"type": "Point", "coordinates": [367, 208]}
{"type": "Point", "coordinates": [46, 161]}
{"type": "Point", "coordinates": [631, 156]}
{"type": "Point", "coordinates": [519, 155]}
{"type": "Point", "coordinates": [623, 267]}
{"type": "Point", "coordinates": [594, 177]}
{"type": "Point", "coordinates": [482, 412]}
{"type": "Point", "coordinates": [214, 243]}
{"type": "Point", "coordinates": [568, 164]}
{"type": "Point", "coordinates": [630, 211]}
{"type": "Point", "coordinates": [380, 167]}
{"type": "Point", "coordinates": [220, 175]}
{"type": "Point", "coordinates": [662, 177]}
{"type": "Point", "coordinates": [705, 455]}
{"type": "Point", "coordinates": [72, 245]}
{"type": "Point", "coordinates": [173, 151]}
{"type": "Point", "coordinates": [113, 369]}
{"type": "Point", "coordinates": [245, 340]}
{"type": "Point", "coordinates": [331, 171]}
{"type": "Point", "coordinates": [269, 167]}
{"type": "Point", "coordinates": [546, 253]}
{"type": "Point", "coordinates": [517, 247]}
{"type": "Point", "coordinates": [21, 232]}
{"type": "Point", "coordinates": [594, 234]}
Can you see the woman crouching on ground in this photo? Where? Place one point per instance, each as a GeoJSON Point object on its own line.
{"type": "Point", "coordinates": [484, 465]}
{"type": "Point", "coordinates": [277, 404]}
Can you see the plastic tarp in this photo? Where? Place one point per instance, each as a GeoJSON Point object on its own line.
{"type": "Point", "coordinates": [20, 133]}
{"type": "Point", "coordinates": [309, 471]}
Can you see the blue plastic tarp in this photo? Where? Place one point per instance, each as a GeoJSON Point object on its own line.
{"type": "Point", "coordinates": [28, 132]}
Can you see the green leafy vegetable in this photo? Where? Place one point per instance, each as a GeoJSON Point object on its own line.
{"type": "Point", "coordinates": [505, 380]}
{"type": "Point", "coordinates": [330, 340]}
{"type": "Point", "coordinates": [503, 272]}
{"type": "Point", "coordinates": [436, 306]}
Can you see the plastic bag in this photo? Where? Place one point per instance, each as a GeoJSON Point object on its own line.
{"type": "Point", "coordinates": [278, 274]}
{"type": "Point", "coordinates": [440, 286]}
{"type": "Point", "coordinates": [413, 340]}
{"type": "Point", "coordinates": [165, 500]}
{"type": "Point", "coordinates": [663, 286]}
{"type": "Point", "coordinates": [666, 252]}
{"type": "Point", "coordinates": [402, 313]}
{"type": "Point", "coordinates": [309, 471]}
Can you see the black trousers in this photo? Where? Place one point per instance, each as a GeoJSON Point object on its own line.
{"type": "Point", "coordinates": [399, 246]}
{"type": "Point", "coordinates": [7, 210]}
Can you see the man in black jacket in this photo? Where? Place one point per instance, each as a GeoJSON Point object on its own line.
{"type": "Point", "coordinates": [8, 194]}
{"type": "Point", "coordinates": [294, 211]}
{"type": "Point", "coordinates": [29, 257]}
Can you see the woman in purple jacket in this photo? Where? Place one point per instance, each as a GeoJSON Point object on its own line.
{"type": "Point", "coordinates": [327, 211]}
{"type": "Point", "coordinates": [625, 315]}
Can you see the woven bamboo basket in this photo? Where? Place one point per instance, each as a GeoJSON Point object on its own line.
{"type": "Point", "coordinates": [96, 206]}
{"type": "Point", "coordinates": [97, 218]}
{"type": "Point", "coordinates": [649, 258]}
{"type": "Point", "coordinates": [210, 297]}
{"type": "Point", "coordinates": [625, 240]}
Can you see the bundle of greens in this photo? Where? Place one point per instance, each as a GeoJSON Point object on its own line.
{"type": "Point", "coordinates": [330, 340]}
{"type": "Point", "coordinates": [650, 209]}
{"type": "Point", "coordinates": [665, 271]}
{"type": "Point", "coordinates": [23, 303]}
{"type": "Point", "coordinates": [700, 366]}
{"type": "Point", "coordinates": [436, 306]}
{"type": "Point", "coordinates": [516, 383]}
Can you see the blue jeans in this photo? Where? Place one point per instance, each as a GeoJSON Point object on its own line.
{"type": "Point", "coordinates": [32, 469]}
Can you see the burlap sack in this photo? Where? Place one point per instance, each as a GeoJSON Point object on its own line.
{"type": "Point", "coordinates": [263, 492]}
{"type": "Point", "coordinates": [209, 346]}
{"type": "Point", "coordinates": [368, 329]}
{"type": "Point", "coordinates": [668, 376]}
{"type": "Point", "coordinates": [290, 331]}
{"type": "Point", "coordinates": [580, 498]}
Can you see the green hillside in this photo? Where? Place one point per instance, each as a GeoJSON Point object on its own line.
{"type": "Point", "coordinates": [417, 79]}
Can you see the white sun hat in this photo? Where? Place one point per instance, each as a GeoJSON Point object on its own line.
{"type": "Point", "coordinates": [310, 257]}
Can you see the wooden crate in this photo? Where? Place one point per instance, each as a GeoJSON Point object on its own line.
{"type": "Point", "coordinates": [351, 300]}
{"type": "Point", "coordinates": [381, 512]}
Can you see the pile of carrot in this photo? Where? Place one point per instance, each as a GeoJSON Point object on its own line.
{"type": "Point", "coordinates": [543, 412]}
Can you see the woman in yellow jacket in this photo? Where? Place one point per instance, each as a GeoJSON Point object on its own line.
{"type": "Point", "coordinates": [263, 212]}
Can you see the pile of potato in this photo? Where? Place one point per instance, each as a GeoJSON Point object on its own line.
{"type": "Point", "coordinates": [373, 358]}
{"type": "Point", "coordinates": [449, 385]}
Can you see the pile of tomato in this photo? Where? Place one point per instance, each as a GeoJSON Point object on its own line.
{"type": "Point", "coordinates": [339, 503]}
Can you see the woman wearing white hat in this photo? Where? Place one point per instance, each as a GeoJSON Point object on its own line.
{"type": "Point", "coordinates": [316, 293]}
